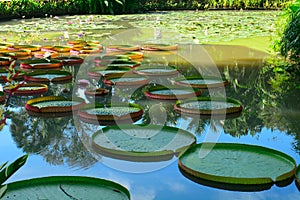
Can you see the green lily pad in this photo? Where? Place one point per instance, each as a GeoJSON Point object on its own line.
{"type": "Point", "coordinates": [99, 72]}
{"type": "Point", "coordinates": [236, 164]}
{"type": "Point", "coordinates": [65, 188]}
{"type": "Point", "coordinates": [111, 113]}
{"type": "Point", "coordinates": [126, 80]}
{"type": "Point", "coordinates": [27, 89]}
{"type": "Point", "coordinates": [209, 106]}
{"type": "Point", "coordinates": [156, 71]}
{"type": "Point", "coordinates": [201, 82]}
{"type": "Point", "coordinates": [142, 142]}
{"type": "Point", "coordinates": [41, 64]}
{"type": "Point", "coordinates": [52, 106]}
{"type": "Point", "coordinates": [55, 76]}
{"type": "Point", "coordinates": [171, 92]}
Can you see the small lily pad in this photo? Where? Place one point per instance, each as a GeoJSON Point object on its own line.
{"type": "Point", "coordinates": [66, 187]}
{"type": "Point", "coordinates": [141, 142]}
{"type": "Point", "coordinates": [236, 164]}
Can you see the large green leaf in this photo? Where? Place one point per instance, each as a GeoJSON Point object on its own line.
{"type": "Point", "coordinates": [209, 105]}
{"type": "Point", "coordinates": [6, 172]}
{"type": "Point", "coordinates": [142, 142]}
{"type": "Point", "coordinates": [66, 188]}
{"type": "Point", "coordinates": [237, 164]}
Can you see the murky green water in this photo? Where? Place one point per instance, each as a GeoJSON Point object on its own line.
{"type": "Point", "coordinates": [62, 146]}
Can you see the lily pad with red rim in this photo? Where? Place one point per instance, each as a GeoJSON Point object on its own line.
{"type": "Point", "coordinates": [156, 70]}
{"type": "Point", "coordinates": [46, 76]}
{"type": "Point", "coordinates": [99, 72]}
{"type": "Point", "coordinates": [159, 47]}
{"type": "Point", "coordinates": [171, 92]}
{"type": "Point", "coordinates": [123, 48]}
{"type": "Point", "coordinates": [125, 80]}
{"type": "Point", "coordinates": [30, 89]}
{"type": "Point", "coordinates": [96, 92]}
{"type": "Point", "coordinates": [201, 82]}
{"type": "Point", "coordinates": [66, 187]}
{"type": "Point", "coordinates": [236, 166]}
{"type": "Point", "coordinates": [110, 114]}
{"type": "Point", "coordinates": [41, 64]}
{"type": "Point", "coordinates": [53, 106]}
{"type": "Point", "coordinates": [27, 47]}
{"type": "Point", "coordinates": [142, 142]}
{"type": "Point", "coordinates": [70, 60]}
{"type": "Point", "coordinates": [209, 106]}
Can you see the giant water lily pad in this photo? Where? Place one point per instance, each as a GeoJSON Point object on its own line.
{"type": "Point", "coordinates": [201, 82]}
{"type": "Point", "coordinates": [236, 164]}
{"type": "Point", "coordinates": [116, 63]}
{"type": "Point", "coordinates": [156, 70]}
{"type": "Point", "coordinates": [126, 80]}
{"type": "Point", "coordinates": [41, 64]}
{"type": "Point", "coordinates": [142, 142]}
{"type": "Point", "coordinates": [171, 92]}
{"type": "Point", "coordinates": [70, 60]}
{"type": "Point", "coordinates": [123, 48]}
{"type": "Point", "coordinates": [27, 89]}
{"type": "Point", "coordinates": [65, 188]}
{"type": "Point", "coordinates": [111, 113]}
{"type": "Point", "coordinates": [27, 47]}
{"type": "Point", "coordinates": [52, 106]}
{"type": "Point", "coordinates": [209, 106]}
{"type": "Point", "coordinates": [54, 76]}
{"type": "Point", "coordinates": [159, 47]}
{"type": "Point", "coordinates": [99, 72]}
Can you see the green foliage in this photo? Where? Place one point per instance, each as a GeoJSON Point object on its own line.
{"type": "Point", "coordinates": [290, 41]}
{"type": "Point", "coordinates": [9, 170]}
{"type": "Point", "coordinates": [35, 8]}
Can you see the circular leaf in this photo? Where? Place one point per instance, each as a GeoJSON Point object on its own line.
{"type": "Point", "coordinates": [142, 142]}
{"type": "Point", "coordinates": [66, 187]}
{"type": "Point", "coordinates": [239, 164]}
{"type": "Point", "coordinates": [171, 92]}
{"type": "Point", "coordinates": [209, 105]}
{"type": "Point", "coordinates": [200, 82]}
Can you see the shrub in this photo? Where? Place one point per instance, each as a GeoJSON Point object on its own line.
{"type": "Point", "coordinates": [290, 41]}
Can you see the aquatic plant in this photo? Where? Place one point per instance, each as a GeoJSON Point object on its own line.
{"type": "Point", "coordinates": [290, 41]}
{"type": "Point", "coordinates": [8, 171]}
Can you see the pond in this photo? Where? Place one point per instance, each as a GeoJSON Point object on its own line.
{"type": "Point", "coordinates": [62, 145]}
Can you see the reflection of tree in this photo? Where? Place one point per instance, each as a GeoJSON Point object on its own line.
{"type": "Point", "coordinates": [55, 139]}
{"type": "Point", "coordinates": [272, 105]}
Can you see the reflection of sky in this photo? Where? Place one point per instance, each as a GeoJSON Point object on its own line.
{"type": "Point", "coordinates": [166, 183]}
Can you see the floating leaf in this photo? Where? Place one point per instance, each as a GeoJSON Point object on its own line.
{"type": "Point", "coordinates": [142, 142]}
{"type": "Point", "coordinates": [237, 164]}
{"type": "Point", "coordinates": [66, 187]}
